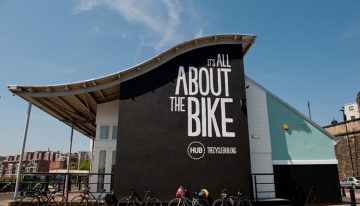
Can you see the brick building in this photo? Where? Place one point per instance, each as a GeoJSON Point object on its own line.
{"type": "Point", "coordinates": [348, 160]}
{"type": "Point", "coordinates": [37, 161]}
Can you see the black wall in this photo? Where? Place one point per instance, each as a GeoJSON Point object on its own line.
{"type": "Point", "coordinates": [155, 150]}
{"type": "Point", "coordinates": [324, 178]}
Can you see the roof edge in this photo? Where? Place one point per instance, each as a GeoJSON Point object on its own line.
{"type": "Point", "coordinates": [316, 125]}
{"type": "Point", "coordinates": [125, 74]}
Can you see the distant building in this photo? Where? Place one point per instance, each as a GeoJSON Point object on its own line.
{"type": "Point", "coordinates": [84, 155]}
{"type": "Point", "coordinates": [351, 111]}
{"type": "Point", "coordinates": [39, 165]}
{"type": "Point", "coordinates": [341, 133]}
{"type": "Point", "coordinates": [2, 158]}
{"type": "Point", "coordinates": [38, 161]}
{"type": "Point", "coordinates": [41, 161]}
{"type": "Point", "coordinates": [59, 163]}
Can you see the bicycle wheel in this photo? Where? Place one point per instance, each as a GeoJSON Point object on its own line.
{"type": "Point", "coordinates": [125, 201]}
{"type": "Point", "coordinates": [177, 202]}
{"type": "Point", "coordinates": [30, 200]}
{"type": "Point", "coordinates": [154, 202]}
{"type": "Point", "coordinates": [221, 202]}
{"type": "Point", "coordinates": [100, 200]}
{"type": "Point", "coordinates": [203, 202]}
{"type": "Point", "coordinates": [244, 202]}
{"type": "Point", "coordinates": [200, 202]}
{"type": "Point", "coordinates": [51, 202]}
{"type": "Point", "coordinates": [79, 200]}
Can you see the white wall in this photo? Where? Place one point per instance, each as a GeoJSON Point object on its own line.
{"type": "Point", "coordinates": [351, 110]}
{"type": "Point", "coordinates": [259, 138]}
{"type": "Point", "coordinates": [107, 114]}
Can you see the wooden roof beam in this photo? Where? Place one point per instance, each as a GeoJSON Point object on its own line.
{"type": "Point", "coordinates": [64, 117]}
{"type": "Point", "coordinates": [92, 113]}
{"type": "Point", "coordinates": [73, 109]}
{"type": "Point", "coordinates": [101, 93]}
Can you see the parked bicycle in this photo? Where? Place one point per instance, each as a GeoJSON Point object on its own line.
{"type": "Point", "coordinates": [8, 187]}
{"type": "Point", "coordinates": [110, 199]}
{"type": "Point", "coordinates": [182, 199]}
{"type": "Point", "coordinates": [235, 200]}
{"type": "Point", "coordinates": [135, 200]}
{"type": "Point", "coordinates": [88, 198]}
{"type": "Point", "coordinates": [37, 198]}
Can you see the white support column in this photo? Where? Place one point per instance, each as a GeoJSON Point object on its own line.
{"type": "Point", "coordinates": [22, 153]}
{"type": "Point", "coordinates": [68, 166]}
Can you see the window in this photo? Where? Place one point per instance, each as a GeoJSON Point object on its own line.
{"type": "Point", "coordinates": [352, 117]}
{"type": "Point", "coordinates": [351, 108]}
{"type": "Point", "coordinates": [114, 132]}
{"type": "Point", "coordinates": [102, 162]}
{"type": "Point", "coordinates": [113, 159]}
{"type": "Point", "coordinates": [104, 132]}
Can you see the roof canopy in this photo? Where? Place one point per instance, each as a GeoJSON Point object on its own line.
{"type": "Point", "coordinates": [75, 104]}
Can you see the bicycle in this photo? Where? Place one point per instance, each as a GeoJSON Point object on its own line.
{"type": "Point", "coordinates": [135, 200]}
{"type": "Point", "coordinates": [236, 200]}
{"type": "Point", "coordinates": [88, 198]}
{"type": "Point", "coordinates": [198, 199]}
{"type": "Point", "coordinates": [37, 198]}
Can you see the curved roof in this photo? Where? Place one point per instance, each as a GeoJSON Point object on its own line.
{"type": "Point", "coordinates": [75, 103]}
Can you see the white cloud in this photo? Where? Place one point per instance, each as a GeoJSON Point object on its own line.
{"type": "Point", "coordinates": [173, 11]}
{"type": "Point", "coordinates": [161, 20]}
{"type": "Point", "coordinates": [86, 5]}
{"type": "Point", "coordinates": [200, 33]}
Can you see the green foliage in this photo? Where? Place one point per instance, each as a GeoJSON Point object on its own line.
{"type": "Point", "coordinates": [84, 165]}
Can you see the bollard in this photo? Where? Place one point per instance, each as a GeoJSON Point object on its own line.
{"type": "Point", "coordinates": [352, 197]}
{"type": "Point", "coordinates": [343, 191]}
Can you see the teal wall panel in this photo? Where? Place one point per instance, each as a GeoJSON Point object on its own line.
{"type": "Point", "coordinates": [302, 141]}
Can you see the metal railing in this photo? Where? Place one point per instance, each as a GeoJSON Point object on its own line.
{"type": "Point", "coordinates": [291, 187]}
{"type": "Point", "coordinates": [56, 181]}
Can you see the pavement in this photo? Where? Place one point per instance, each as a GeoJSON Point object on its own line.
{"type": "Point", "coordinates": [7, 196]}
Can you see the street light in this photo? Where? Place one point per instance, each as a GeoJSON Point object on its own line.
{"type": "Point", "coordinates": [348, 142]}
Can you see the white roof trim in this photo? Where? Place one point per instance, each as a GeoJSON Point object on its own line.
{"type": "Point", "coordinates": [305, 162]}
{"type": "Point", "coordinates": [293, 109]}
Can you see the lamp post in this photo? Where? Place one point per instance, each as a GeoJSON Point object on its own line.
{"type": "Point", "coordinates": [348, 142]}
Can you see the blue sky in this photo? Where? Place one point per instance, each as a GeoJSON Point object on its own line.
{"type": "Point", "coordinates": [305, 51]}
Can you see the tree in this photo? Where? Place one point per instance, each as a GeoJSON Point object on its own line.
{"type": "Point", "coordinates": [84, 165]}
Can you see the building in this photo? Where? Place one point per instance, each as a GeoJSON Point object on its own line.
{"type": "Point", "coordinates": [190, 116]}
{"type": "Point", "coordinates": [33, 162]}
{"type": "Point", "coordinates": [59, 163]}
{"type": "Point", "coordinates": [83, 155]}
{"type": "Point", "coordinates": [347, 147]}
{"type": "Point", "coordinates": [41, 161]}
{"type": "Point", "coordinates": [351, 111]}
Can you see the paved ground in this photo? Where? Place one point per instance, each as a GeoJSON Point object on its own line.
{"type": "Point", "coordinates": [5, 197]}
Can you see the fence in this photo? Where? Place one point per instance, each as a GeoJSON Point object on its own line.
{"type": "Point", "coordinates": [56, 181]}
{"type": "Point", "coordinates": [283, 186]}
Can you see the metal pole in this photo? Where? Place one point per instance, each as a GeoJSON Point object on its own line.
{"type": "Point", "coordinates": [348, 142]}
{"type": "Point", "coordinates": [22, 153]}
{"type": "Point", "coordinates": [68, 166]}
{"type": "Point", "coordinates": [309, 110]}
{"type": "Point", "coordinates": [356, 157]}
{"type": "Point", "coordinates": [78, 168]}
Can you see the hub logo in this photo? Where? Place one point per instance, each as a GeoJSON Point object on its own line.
{"type": "Point", "coordinates": [196, 150]}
